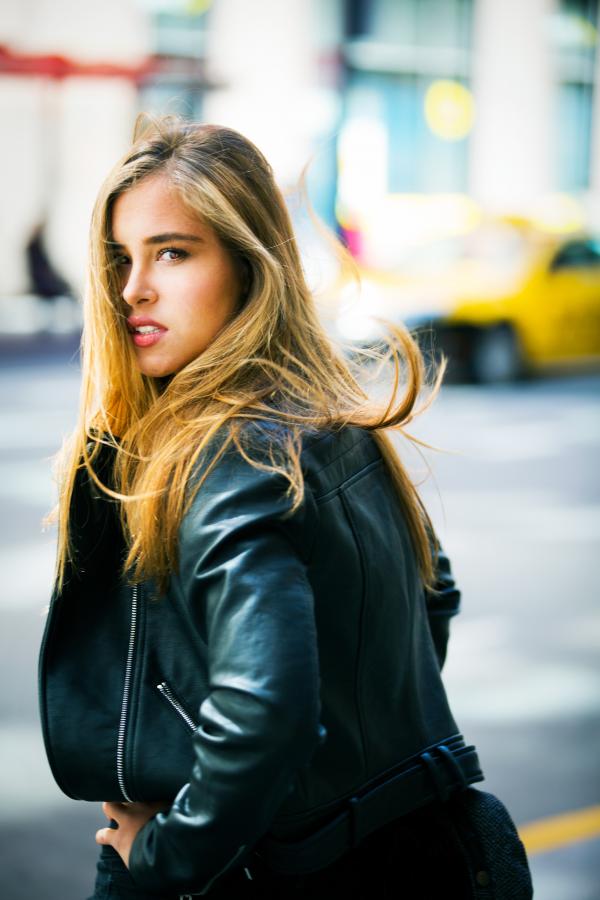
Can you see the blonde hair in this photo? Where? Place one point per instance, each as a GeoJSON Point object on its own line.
{"type": "Point", "coordinates": [273, 361]}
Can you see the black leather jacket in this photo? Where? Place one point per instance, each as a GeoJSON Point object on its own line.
{"type": "Point", "coordinates": [291, 660]}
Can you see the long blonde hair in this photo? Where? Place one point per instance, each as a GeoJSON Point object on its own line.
{"type": "Point", "coordinates": [272, 361]}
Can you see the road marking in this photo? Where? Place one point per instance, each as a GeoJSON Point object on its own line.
{"type": "Point", "coordinates": [558, 831]}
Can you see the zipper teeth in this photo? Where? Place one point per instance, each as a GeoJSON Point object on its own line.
{"type": "Point", "coordinates": [125, 703]}
{"type": "Point", "coordinates": [165, 690]}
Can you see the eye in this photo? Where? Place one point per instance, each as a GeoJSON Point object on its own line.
{"type": "Point", "coordinates": [178, 254]}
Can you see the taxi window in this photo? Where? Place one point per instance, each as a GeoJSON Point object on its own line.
{"type": "Point", "coordinates": [577, 255]}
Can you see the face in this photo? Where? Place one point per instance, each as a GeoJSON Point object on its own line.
{"type": "Point", "coordinates": [175, 272]}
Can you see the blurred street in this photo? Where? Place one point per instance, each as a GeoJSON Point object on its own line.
{"type": "Point", "coordinates": [518, 511]}
{"type": "Point", "coordinates": [454, 148]}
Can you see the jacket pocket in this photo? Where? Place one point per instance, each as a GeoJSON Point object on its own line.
{"type": "Point", "coordinates": [176, 704]}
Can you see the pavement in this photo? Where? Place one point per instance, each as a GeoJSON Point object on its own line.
{"type": "Point", "coordinates": [32, 328]}
{"type": "Point", "coordinates": [515, 499]}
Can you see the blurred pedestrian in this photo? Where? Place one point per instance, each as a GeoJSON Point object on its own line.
{"type": "Point", "coordinates": [46, 282]}
{"type": "Point", "coordinates": [250, 613]}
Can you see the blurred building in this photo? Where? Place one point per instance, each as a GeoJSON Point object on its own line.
{"type": "Point", "coordinates": [455, 102]}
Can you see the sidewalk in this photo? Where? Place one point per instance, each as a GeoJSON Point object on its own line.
{"type": "Point", "coordinates": [32, 328]}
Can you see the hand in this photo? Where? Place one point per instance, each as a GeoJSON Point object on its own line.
{"type": "Point", "coordinates": [130, 817]}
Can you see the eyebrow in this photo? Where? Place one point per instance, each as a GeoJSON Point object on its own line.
{"type": "Point", "coordinates": [163, 238]}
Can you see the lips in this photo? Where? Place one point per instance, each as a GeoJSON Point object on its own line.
{"type": "Point", "coordinates": [145, 338]}
{"type": "Point", "coordinates": [134, 322]}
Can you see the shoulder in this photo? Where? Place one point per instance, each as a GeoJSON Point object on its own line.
{"type": "Point", "coordinates": [336, 457]}
{"type": "Point", "coordinates": [244, 493]}
{"type": "Point", "coordinates": [248, 491]}
{"type": "Point", "coordinates": [327, 456]}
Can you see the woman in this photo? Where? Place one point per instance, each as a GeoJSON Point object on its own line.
{"type": "Point", "coordinates": [250, 610]}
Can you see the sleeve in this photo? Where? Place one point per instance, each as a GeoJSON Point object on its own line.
{"type": "Point", "coordinates": [245, 568]}
{"type": "Point", "coordinates": [442, 605]}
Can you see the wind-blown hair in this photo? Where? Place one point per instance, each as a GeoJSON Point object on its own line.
{"type": "Point", "coordinates": [272, 363]}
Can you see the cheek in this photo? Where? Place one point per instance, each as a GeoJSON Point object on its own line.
{"type": "Point", "coordinates": [208, 305]}
{"type": "Point", "coordinates": [203, 296]}
{"type": "Point", "coordinates": [218, 290]}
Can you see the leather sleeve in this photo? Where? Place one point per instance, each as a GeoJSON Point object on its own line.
{"type": "Point", "coordinates": [243, 569]}
{"type": "Point", "coordinates": [442, 606]}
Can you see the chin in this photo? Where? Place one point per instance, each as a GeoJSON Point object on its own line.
{"type": "Point", "coordinates": [157, 371]}
{"type": "Point", "coordinates": [162, 368]}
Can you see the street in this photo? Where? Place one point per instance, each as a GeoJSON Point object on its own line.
{"type": "Point", "coordinates": [516, 501]}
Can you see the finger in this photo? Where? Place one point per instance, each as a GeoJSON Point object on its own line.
{"type": "Point", "coordinates": [108, 809]}
{"type": "Point", "coordinates": [104, 836]}
{"type": "Point", "coordinates": [112, 810]}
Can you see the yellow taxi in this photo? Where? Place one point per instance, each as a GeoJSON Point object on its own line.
{"type": "Point", "coordinates": [502, 301]}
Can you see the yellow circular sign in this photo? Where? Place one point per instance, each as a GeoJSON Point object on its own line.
{"type": "Point", "coordinates": [449, 110]}
{"type": "Point", "coordinates": [197, 7]}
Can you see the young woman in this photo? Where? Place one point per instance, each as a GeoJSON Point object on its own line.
{"type": "Point", "coordinates": [250, 611]}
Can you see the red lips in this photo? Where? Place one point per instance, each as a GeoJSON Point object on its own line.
{"type": "Point", "coordinates": [134, 321]}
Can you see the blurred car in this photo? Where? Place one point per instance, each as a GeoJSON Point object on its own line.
{"type": "Point", "coordinates": [502, 301]}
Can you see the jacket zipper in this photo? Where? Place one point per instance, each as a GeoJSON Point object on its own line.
{"type": "Point", "coordinates": [125, 703]}
{"type": "Point", "coordinates": [167, 693]}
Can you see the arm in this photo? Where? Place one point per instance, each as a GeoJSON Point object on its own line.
{"type": "Point", "coordinates": [243, 570]}
{"type": "Point", "coordinates": [442, 606]}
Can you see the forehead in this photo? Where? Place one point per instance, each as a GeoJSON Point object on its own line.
{"type": "Point", "coordinates": [152, 205]}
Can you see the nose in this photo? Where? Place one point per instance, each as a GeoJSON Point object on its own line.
{"type": "Point", "coordinates": [137, 288]}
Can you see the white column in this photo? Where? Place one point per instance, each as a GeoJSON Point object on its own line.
{"type": "Point", "coordinates": [262, 55]}
{"type": "Point", "coordinates": [22, 175]}
{"type": "Point", "coordinates": [513, 142]}
{"type": "Point", "coordinates": [593, 196]}
{"type": "Point", "coordinates": [62, 137]}
{"type": "Point", "coordinates": [107, 31]}
{"type": "Point", "coordinates": [94, 128]}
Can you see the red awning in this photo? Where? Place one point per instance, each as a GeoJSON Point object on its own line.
{"type": "Point", "coordinates": [53, 66]}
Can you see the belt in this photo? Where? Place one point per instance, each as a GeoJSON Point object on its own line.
{"type": "Point", "coordinates": [434, 774]}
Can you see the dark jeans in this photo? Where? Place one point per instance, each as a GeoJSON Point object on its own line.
{"type": "Point", "coordinates": [418, 857]}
